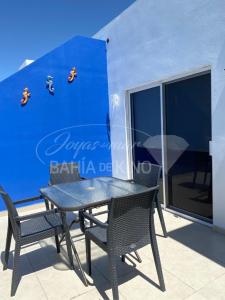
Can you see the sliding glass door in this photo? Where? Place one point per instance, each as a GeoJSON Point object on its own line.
{"type": "Point", "coordinates": [188, 134]}
{"type": "Point", "coordinates": [184, 150]}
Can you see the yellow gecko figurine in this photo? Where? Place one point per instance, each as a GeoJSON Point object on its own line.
{"type": "Point", "coordinates": [26, 96]}
{"type": "Point", "coordinates": [73, 74]}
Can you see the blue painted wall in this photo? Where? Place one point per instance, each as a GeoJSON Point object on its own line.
{"type": "Point", "coordinates": [71, 125]}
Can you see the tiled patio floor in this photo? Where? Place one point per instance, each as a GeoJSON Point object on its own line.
{"type": "Point", "coordinates": [193, 260]}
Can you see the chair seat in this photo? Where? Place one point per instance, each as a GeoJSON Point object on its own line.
{"type": "Point", "coordinates": [97, 234]}
{"type": "Point", "coordinates": [40, 224]}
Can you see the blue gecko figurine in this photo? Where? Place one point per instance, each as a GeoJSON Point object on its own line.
{"type": "Point", "coordinates": [50, 84]}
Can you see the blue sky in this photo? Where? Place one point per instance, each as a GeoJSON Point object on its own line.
{"type": "Point", "coordinates": [29, 28]}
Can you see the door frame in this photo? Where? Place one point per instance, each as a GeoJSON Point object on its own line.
{"type": "Point", "coordinates": [129, 136]}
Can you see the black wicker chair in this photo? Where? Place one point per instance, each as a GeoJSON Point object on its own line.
{"type": "Point", "coordinates": [27, 229]}
{"type": "Point", "coordinates": [149, 174]}
{"type": "Point", "coordinates": [129, 228]}
{"type": "Point", "coordinates": [64, 173]}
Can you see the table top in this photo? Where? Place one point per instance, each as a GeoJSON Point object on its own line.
{"type": "Point", "coordinates": [89, 192]}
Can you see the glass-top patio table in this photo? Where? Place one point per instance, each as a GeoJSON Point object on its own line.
{"type": "Point", "coordinates": [86, 194]}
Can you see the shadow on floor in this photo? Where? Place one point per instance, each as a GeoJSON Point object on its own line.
{"type": "Point", "coordinates": [203, 240]}
{"type": "Point", "coordinates": [46, 257]}
{"type": "Point", "coordinates": [39, 259]}
{"type": "Point", "coordinates": [130, 273]}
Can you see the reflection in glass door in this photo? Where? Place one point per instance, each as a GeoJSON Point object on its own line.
{"type": "Point", "coordinates": [146, 127]}
{"type": "Point", "coordinates": [188, 133]}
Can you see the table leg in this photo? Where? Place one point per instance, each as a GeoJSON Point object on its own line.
{"type": "Point", "coordinates": [68, 239]}
{"type": "Point", "coordinates": [79, 263]}
{"type": "Point", "coordinates": [70, 246]}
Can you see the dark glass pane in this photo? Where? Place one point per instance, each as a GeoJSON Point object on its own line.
{"type": "Point", "coordinates": [146, 126]}
{"type": "Point", "coordinates": [146, 123]}
{"type": "Point", "coordinates": [188, 130]}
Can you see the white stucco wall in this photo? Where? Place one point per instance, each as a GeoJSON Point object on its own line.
{"type": "Point", "coordinates": [156, 39]}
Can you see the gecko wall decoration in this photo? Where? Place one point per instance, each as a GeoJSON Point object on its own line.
{"type": "Point", "coordinates": [50, 85]}
{"type": "Point", "coordinates": [26, 97]}
{"type": "Point", "coordinates": [73, 74]}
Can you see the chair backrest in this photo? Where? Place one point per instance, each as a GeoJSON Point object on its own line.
{"type": "Point", "coordinates": [147, 174]}
{"type": "Point", "coordinates": [131, 221]}
{"type": "Point", "coordinates": [12, 212]}
{"type": "Point", "coordinates": [64, 172]}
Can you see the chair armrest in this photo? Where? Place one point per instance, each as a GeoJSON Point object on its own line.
{"type": "Point", "coordinates": [28, 200]}
{"type": "Point", "coordinates": [94, 220]}
{"type": "Point", "coordinates": [36, 215]}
